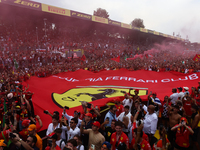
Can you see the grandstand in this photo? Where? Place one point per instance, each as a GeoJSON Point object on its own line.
{"type": "Point", "coordinates": [34, 14]}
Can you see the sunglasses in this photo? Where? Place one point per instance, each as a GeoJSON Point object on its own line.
{"type": "Point", "coordinates": [71, 122]}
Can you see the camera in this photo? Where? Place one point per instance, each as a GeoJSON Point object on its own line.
{"type": "Point", "coordinates": [139, 122]}
{"type": "Point", "coordinates": [89, 105]}
{"type": "Point", "coordinates": [46, 112]}
{"type": "Point", "coordinates": [12, 135]}
{"type": "Point", "coordinates": [66, 107]}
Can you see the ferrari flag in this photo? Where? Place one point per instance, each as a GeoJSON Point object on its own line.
{"type": "Point", "coordinates": [71, 88]}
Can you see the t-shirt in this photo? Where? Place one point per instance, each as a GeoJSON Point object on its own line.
{"type": "Point", "coordinates": [95, 139]}
{"type": "Point", "coordinates": [158, 144]}
{"type": "Point", "coordinates": [182, 137]}
{"type": "Point", "coordinates": [126, 102]}
{"type": "Point", "coordinates": [72, 132]}
{"type": "Point", "coordinates": [174, 97]}
{"type": "Point", "coordinates": [122, 139]}
{"type": "Point", "coordinates": [120, 109]}
{"type": "Point", "coordinates": [49, 148]}
{"type": "Point", "coordinates": [144, 145]}
{"type": "Point", "coordinates": [108, 133]}
{"type": "Point", "coordinates": [39, 142]}
{"type": "Point", "coordinates": [187, 106]}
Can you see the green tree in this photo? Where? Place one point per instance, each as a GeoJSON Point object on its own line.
{"type": "Point", "coordinates": [101, 13]}
{"type": "Point", "coordinates": [137, 22]}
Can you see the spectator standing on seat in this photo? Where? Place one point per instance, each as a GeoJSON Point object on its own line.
{"type": "Point", "coordinates": [111, 115]}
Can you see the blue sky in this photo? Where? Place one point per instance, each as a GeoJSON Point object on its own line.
{"type": "Point", "coordinates": [179, 16]}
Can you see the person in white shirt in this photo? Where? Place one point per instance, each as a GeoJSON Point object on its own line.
{"type": "Point", "coordinates": [180, 94]}
{"type": "Point", "coordinates": [60, 142]}
{"type": "Point", "coordinates": [174, 96]}
{"type": "Point", "coordinates": [127, 101]}
{"type": "Point", "coordinates": [72, 129]}
{"type": "Point", "coordinates": [76, 115]}
{"type": "Point", "coordinates": [54, 125]}
{"type": "Point", "coordinates": [186, 91]}
{"type": "Point", "coordinates": [122, 117]}
{"type": "Point", "coordinates": [150, 122]}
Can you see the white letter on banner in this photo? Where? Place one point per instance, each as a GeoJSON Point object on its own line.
{"type": "Point", "coordinates": [89, 79]}
{"type": "Point", "coordinates": [74, 80]}
{"type": "Point", "coordinates": [193, 76]}
{"type": "Point", "coordinates": [121, 78]}
{"type": "Point", "coordinates": [156, 81]}
{"type": "Point", "coordinates": [108, 78]}
{"type": "Point", "coordinates": [115, 78]}
{"type": "Point", "coordinates": [147, 81]}
{"type": "Point", "coordinates": [68, 79]}
{"type": "Point", "coordinates": [186, 78]}
{"type": "Point", "coordinates": [61, 78]}
{"type": "Point", "coordinates": [99, 79]}
{"type": "Point", "coordinates": [175, 80]}
{"type": "Point", "coordinates": [129, 79]}
{"type": "Point", "coordinates": [140, 80]}
{"type": "Point", "coordinates": [165, 80]}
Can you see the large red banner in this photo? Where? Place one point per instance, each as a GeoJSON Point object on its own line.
{"type": "Point", "coordinates": [70, 88]}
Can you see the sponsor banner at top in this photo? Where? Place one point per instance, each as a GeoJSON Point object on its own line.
{"type": "Point", "coordinates": [0, 1]}
{"type": "Point", "coordinates": [81, 15]}
{"type": "Point", "coordinates": [23, 3]}
{"type": "Point", "coordinates": [151, 31]}
{"type": "Point", "coordinates": [165, 35]}
{"type": "Point", "coordinates": [55, 10]}
{"type": "Point", "coordinates": [99, 19]}
{"type": "Point", "coordinates": [124, 25]}
{"type": "Point", "coordinates": [156, 33]}
{"type": "Point", "coordinates": [136, 28]}
{"type": "Point", "coordinates": [143, 30]}
{"type": "Point", "coordinates": [115, 23]}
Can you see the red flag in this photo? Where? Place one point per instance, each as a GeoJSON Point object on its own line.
{"type": "Point", "coordinates": [196, 57]}
{"type": "Point", "coordinates": [70, 88]}
{"type": "Point", "coordinates": [83, 58]}
{"type": "Point", "coordinates": [117, 59]}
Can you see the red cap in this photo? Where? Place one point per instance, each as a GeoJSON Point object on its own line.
{"type": "Point", "coordinates": [96, 123]}
{"type": "Point", "coordinates": [154, 93]}
{"type": "Point", "coordinates": [183, 119]}
{"type": "Point", "coordinates": [137, 90]}
{"type": "Point", "coordinates": [89, 115]}
{"type": "Point", "coordinates": [25, 123]}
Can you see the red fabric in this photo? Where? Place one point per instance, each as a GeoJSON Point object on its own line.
{"type": "Point", "coordinates": [196, 57]}
{"type": "Point", "coordinates": [117, 59]}
{"type": "Point", "coordinates": [122, 139]}
{"type": "Point", "coordinates": [182, 137]}
{"type": "Point", "coordinates": [43, 88]}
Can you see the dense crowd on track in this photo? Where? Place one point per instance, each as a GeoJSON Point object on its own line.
{"type": "Point", "coordinates": [129, 124]}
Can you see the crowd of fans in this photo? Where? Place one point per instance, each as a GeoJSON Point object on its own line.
{"type": "Point", "coordinates": [129, 124]}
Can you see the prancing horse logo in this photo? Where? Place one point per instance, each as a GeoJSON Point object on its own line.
{"type": "Point", "coordinates": [73, 97]}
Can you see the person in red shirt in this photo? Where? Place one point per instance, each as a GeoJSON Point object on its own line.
{"type": "Point", "coordinates": [187, 105]}
{"type": "Point", "coordinates": [143, 144]}
{"type": "Point", "coordinates": [119, 106]}
{"type": "Point", "coordinates": [182, 135]}
{"type": "Point", "coordinates": [52, 142]}
{"type": "Point", "coordinates": [118, 137]}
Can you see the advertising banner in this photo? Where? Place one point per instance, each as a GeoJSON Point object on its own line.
{"type": "Point", "coordinates": [115, 23]}
{"type": "Point", "coordinates": [124, 25]}
{"type": "Point", "coordinates": [81, 15]}
{"type": "Point", "coordinates": [24, 3]}
{"type": "Point", "coordinates": [99, 19]}
{"type": "Point", "coordinates": [55, 10]}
